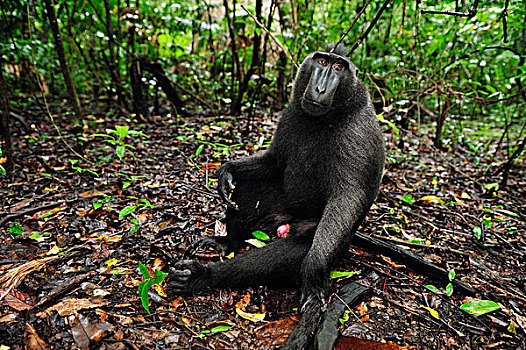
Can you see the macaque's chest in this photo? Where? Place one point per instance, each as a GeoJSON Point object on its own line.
{"type": "Point", "coordinates": [305, 179]}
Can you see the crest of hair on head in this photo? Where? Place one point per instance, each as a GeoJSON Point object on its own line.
{"type": "Point", "coordinates": [339, 50]}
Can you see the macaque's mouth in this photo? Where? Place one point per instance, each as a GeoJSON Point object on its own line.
{"type": "Point", "coordinates": [315, 103]}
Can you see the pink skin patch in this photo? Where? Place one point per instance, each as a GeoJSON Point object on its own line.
{"type": "Point", "coordinates": [283, 230]}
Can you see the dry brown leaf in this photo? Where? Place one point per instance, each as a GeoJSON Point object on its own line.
{"type": "Point", "coordinates": [16, 300]}
{"type": "Point", "coordinates": [86, 333]}
{"type": "Point", "coordinates": [32, 340]}
{"type": "Point", "coordinates": [70, 306]}
{"type": "Point", "coordinates": [9, 318]}
{"type": "Point", "coordinates": [275, 333]}
{"type": "Point", "coordinates": [350, 343]}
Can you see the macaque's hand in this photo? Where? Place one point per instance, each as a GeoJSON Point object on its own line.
{"type": "Point", "coordinates": [226, 185]}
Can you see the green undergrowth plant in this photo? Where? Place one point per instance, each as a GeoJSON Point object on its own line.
{"type": "Point", "coordinates": [116, 138]}
{"type": "Point", "coordinates": [147, 283]}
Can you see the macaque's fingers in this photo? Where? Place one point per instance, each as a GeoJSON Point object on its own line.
{"type": "Point", "coordinates": [231, 204]}
{"type": "Point", "coordinates": [180, 275]}
{"type": "Point", "coordinates": [226, 186]}
{"type": "Point", "coordinates": [183, 265]}
{"type": "Point", "coordinates": [230, 182]}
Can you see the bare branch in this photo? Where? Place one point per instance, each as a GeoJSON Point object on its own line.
{"type": "Point", "coordinates": [286, 52]}
{"type": "Point", "coordinates": [469, 14]}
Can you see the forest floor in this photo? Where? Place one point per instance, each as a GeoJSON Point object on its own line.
{"type": "Point", "coordinates": [74, 232]}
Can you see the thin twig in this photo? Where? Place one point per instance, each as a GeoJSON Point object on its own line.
{"type": "Point", "coordinates": [286, 52]}
{"type": "Point", "coordinates": [469, 14]}
{"type": "Point", "coordinates": [349, 29]}
{"type": "Point", "coordinates": [373, 23]}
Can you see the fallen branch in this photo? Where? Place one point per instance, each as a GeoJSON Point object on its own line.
{"type": "Point", "coordinates": [65, 287]}
{"type": "Point", "coordinates": [411, 260]}
{"type": "Point", "coordinates": [31, 211]}
{"type": "Point", "coordinates": [350, 294]}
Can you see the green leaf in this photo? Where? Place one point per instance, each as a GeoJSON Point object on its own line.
{"type": "Point", "coordinates": [36, 236]}
{"type": "Point", "coordinates": [127, 210]}
{"type": "Point", "coordinates": [451, 275]}
{"type": "Point", "coordinates": [120, 151]}
{"type": "Point", "coordinates": [147, 283]}
{"type": "Point", "coordinates": [220, 328]}
{"type": "Point", "coordinates": [145, 299]}
{"type": "Point", "coordinates": [477, 231]}
{"type": "Point", "coordinates": [493, 186]}
{"type": "Point", "coordinates": [487, 222]}
{"type": "Point", "coordinates": [260, 235]}
{"type": "Point", "coordinates": [216, 329]}
{"type": "Point", "coordinates": [480, 307]}
{"type": "Point", "coordinates": [144, 270]}
{"type": "Point", "coordinates": [345, 316]}
{"type": "Point", "coordinates": [141, 285]}
{"type": "Point", "coordinates": [146, 203]}
{"type": "Point", "coordinates": [255, 242]}
{"type": "Point", "coordinates": [135, 226]}
{"type": "Point", "coordinates": [159, 276]}
{"type": "Point", "coordinates": [512, 328]}
{"type": "Point", "coordinates": [433, 312]}
{"type": "Point", "coordinates": [199, 150]}
{"type": "Point", "coordinates": [408, 198]}
{"type": "Point", "coordinates": [388, 122]}
{"type": "Point", "coordinates": [161, 38]}
{"type": "Point", "coordinates": [432, 288]}
{"type": "Point", "coordinates": [122, 131]}
{"type": "Point", "coordinates": [449, 289]}
{"type": "Point", "coordinates": [507, 212]}
{"type": "Point", "coordinates": [340, 274]}
{"type": "Point", "coordinates": [16, 228]}
{"type": "Point", "coordinates": [2, 171]}
{"type": "Point", "coordinates": [91, 172]}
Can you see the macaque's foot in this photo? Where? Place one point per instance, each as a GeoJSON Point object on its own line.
{"type": "Point", "coordinates": [318, 296]}
{"type": "Point", "coordinates": [315, 283]}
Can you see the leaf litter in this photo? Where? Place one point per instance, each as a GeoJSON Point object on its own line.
{"type": "Point", "coordinates": [151, 205]}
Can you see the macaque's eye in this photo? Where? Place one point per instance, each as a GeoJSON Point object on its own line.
{"type": "Point", "coordinates": [337, 66]}
{"type": "Point", "coordinates": [323, 62]}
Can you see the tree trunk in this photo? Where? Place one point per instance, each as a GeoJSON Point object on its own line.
{"type": "Point", "coordinates": [59, 45]}
{"type": "Point", "coordinates": [165, 83]}
{"type": "Point", "coordinates": [254, 64]}
{"type": "Point", "coordinates": [236, 66]}
{"type": "Point", "coordinates": [4, 121]}
{"type": "Point", "coordinates": [113, 62]}
{"type": "Point", "coordinates": [140, 103]}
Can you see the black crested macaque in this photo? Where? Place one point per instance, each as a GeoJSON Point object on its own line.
{"type": "Point", "coordinates": [320, 175]}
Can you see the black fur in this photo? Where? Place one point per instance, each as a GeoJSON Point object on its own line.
{"type": "Point", "coordinates": [321, 175]}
